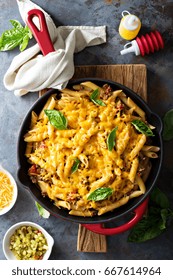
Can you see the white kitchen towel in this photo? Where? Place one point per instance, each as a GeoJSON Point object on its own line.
{"type": "Point", "coordinates": [31, 71]}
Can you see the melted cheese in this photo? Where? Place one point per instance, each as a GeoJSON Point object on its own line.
{"type": "Point", "coordinates": [55, 151]}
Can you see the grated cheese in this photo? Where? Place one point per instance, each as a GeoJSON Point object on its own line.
{"type": "Point", "coordinates": [6, 190]}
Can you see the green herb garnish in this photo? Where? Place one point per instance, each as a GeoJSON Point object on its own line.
{"type": "Point", "coordinates": [159, 198]}
{"type": "Point", "coordinates": [168, 126]}
{"type": "Point", "coordinates": [56, 119]}
{"type": "Point", "coordinates": [17, 36]}
{"type": "Point", "coordinates": [142, 127]}
{"type": "Point", "coordinates": [111, 139]}
{"type": "Point", "coordinates": [93, 97]}
{"type": "Point", "coordinates": [155, 221]}
{"type": "Point", "coordinates": [100, 194]}
{"type": "Point", "coordinates": [75, 165]}
{"type": "Point", "coordinates": [42, 212]}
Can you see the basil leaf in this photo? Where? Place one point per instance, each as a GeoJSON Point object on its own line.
{"type": "Point", "coordinates": [159, 198]}
{"type": "Point", "coordinates": [142, 127]}
{"type": "Point", "coordinates": [75, 165]}
{"type": "Point", "coordinates": [93, 98]}
{"type": "Point", "coordinates": [17, 36]}
{"type": "Point", "coordinates": [164, 215]}
{"type": "Point", "coordinates": [28, 32]}
{"type": "Point", "coordinates": [150, 226]}
{"type": "Point", "coordinates": [56, 119]}
{"type": "Point", "coordinates": [24, 43]}
{"type": "Point", "coordinates": [155, 222]}
{"type": "Point", "coordinates": [111, 139]}
{"type": "Point", "coordinates": [16, 24]}
{"type": "Point", "coordinates": [168, 126]}
{"type": "Point", "coordinates": [100, 194]}
{"type": "Point", "coordinates": [42, 212]}
{"type": "Point", "coordinates": [26, 38]}
{"type": "Point", "coordinates": [147, 228]}
{"type": "Point", "coordinates": [99, 102]}
{"type": "Point", "coordinates": [94, 94]}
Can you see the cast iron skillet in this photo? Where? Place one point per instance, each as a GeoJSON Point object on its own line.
{"type": "Point", "coordinates": [128, 208]}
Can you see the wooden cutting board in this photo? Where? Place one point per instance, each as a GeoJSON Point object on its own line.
{"type": "Point", "coordinates": [133, 76]}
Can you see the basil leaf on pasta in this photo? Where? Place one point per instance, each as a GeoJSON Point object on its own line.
{"type": "Point", "coordinates": [142, 127]}
{"type": "Point", "coordinates": [100, 194]}
{"type": "Point", "coordinates": [93, 98]}
{"type": "Point", "coordinates": [56, 119]}
{"type": "Point", "coordinates": [111, 139]}
{"type": "Point", "coordinates": [99, 102]}
{"type": "Point", "coordinates": [75, 165]}
{"type": "Point", "coordinates": [94, 94]}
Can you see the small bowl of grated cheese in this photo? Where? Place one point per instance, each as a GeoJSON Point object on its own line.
{"type": "Point", "coordinates": [8, 191]}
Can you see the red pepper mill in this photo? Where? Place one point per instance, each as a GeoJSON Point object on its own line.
{"type": "Point", "coordinates": [148, 43]}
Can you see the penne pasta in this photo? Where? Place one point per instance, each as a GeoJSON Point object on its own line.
{"type": "Point", "coordinates": [141, 184]}
{"type": "Point", "coordinates": [133, 170]}
{"type": "Point", "coordinates": [138, 110]}
{"type": "Point", "coordinates": [88, 157]}
{"type": "Point", "coordinates": [85, 213]}
{"type": "Point", "coordinates": [150, 154]}
{"type": "Point", "coordinates": [147, 148]}
{"type": "Point", "coordinates": [28, 150]}
{"type": "Point", "coordinates": [147, 172]}
{"type": "Point", "coordinates": [113, 206]}
{"type": "Point", "coordinates": [91, 86]}
{"type": "Point", "coordinates": [49, 104]}
{"type": "Point", "coordinates": [139, 144]}
{"type": "Point", "coordinates": [64, 204]}
{"type": "Point", "coordinates": [34, 119]}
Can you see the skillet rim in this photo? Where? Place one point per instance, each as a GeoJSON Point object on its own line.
{"type": "Point", "coordinates": [119, 212]}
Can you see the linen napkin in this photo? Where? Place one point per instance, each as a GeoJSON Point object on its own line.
{"type": "Point", "coordinates": [31, 71]}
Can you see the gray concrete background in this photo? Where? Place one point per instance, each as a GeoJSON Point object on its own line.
{"type": "Point", "coordinates": [154, 15]}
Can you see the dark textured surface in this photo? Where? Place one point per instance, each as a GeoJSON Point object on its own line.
{"type": "Point", "coordinates": [154, 15]}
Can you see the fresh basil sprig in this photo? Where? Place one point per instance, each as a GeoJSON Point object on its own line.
{"type": "Point", "coordinates": [56, 119]}
{"type": "Point", "coordinates": [168, 125]}
{"type": "Point", "coordinates": [17, 36]}
{"type": "Point", "coordinates": [93, 97]}
{"type": "Point", "coordinates": [42, 212]}
{"type": "Point", "coordinates": [100, 194]}
{"type": "Point", "coordinates": [142, 127]}
{"type": "Point", "coordinates": [75, 165]}
{"type": "Point", "coordinates": [111, 139]}
{"type": "Point", "coordinates": [155, 221]}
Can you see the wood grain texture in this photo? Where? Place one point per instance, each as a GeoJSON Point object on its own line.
{"type": "Point", "coordinates": [89, 241]}
{"type": "Point", "coordinates": [133, 76]}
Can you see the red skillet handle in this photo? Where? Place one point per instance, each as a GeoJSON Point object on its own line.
{"type": "Point", "coordinates": [42, 36]}
{"type": "Point", "coordinates": [139, 212]}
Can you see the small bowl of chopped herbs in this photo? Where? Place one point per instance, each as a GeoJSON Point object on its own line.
{"type": "Point", "coordinates": [27, 241]}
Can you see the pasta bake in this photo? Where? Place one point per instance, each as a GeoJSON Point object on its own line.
{"type": "Point", "coordinates": [90, 149]}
